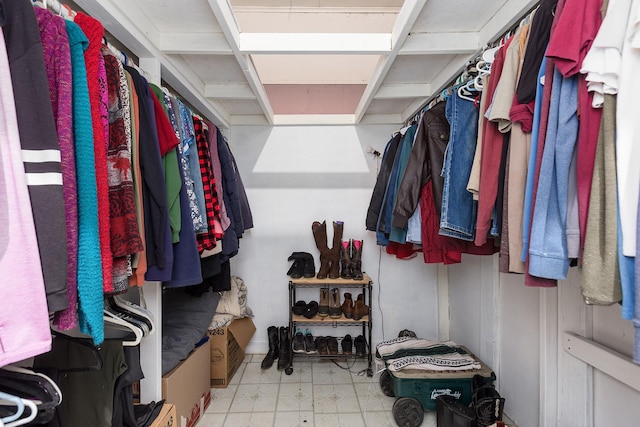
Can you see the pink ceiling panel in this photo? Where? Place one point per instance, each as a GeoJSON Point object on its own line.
{"type": "Point", "coordinates": [314, 98]}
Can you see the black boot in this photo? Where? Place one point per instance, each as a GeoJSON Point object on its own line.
{"type": "Point", "coordinates": [272, 333]}
{"type": "Point", "coordinates": [356, 259]}
{"type": "Point", "coordinates": [308, 268]}
{"type": "Point", "coordinates": [488, 405]}
{"type": "Point", "coordinates": [284, 352]}
{"type": "Point", "coordinates": [296, 269]}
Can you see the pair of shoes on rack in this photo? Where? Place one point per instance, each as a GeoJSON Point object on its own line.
{"type": "Point", "coordinates": [347, 344]}
{"type": "Point", "coordinates": [304, 343]}
{"type": "Point", "coordinates": [329, 303]}
{"type": "Point", "coordinates": [301, 308]}
{"type": "Point", "coordinates": [327, 345]}
{"type": "Point", "coordinates": [351, 259]}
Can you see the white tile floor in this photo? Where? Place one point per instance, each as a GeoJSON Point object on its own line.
{"type": "Point", "coordinates": [317, 394]}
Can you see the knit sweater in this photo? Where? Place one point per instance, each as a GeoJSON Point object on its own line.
{"type": "Point", "coordinates": [55, 45]}
{"type": "Point", "coordinates": [94, 31]}
{"type": "Point", "coordinates": [90, 295]}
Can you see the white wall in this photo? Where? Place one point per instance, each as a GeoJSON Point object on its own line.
{"type": "Point", "coordinates": [285, 200]}
{"type": "Point", "coordinates": [543, 384]}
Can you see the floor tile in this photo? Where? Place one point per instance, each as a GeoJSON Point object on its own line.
{"type": "Point", "coordinates": [238, 375]}
{"type": "Point", "coordinates": [212, 420]}
{"type": "Point", "coordinates": [339, 420]}
{"type": "Point", "coordinates": [371, 398]}
{"type": "Point", "coordinates": [294, 419]}
{"type": "Point", "coordinates": [221, 399]}
{"type": "Point", "coordinates": [334, 399]}
{"type": "Point", "coordinates": [256, 419]}
{"type": "Point", "coordinates": [295, 397]}
{"type": "Point", "coordinates": [328, 373]}
{"type": "Point", "coordinates": [302, 373]}
{"type": "Point", "coordinates": [253, 374]}
{"type": "Point", "coordinates": [255, 398]}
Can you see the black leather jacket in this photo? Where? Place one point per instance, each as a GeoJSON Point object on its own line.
{"type": "Point", "coordinates": [425, 163]}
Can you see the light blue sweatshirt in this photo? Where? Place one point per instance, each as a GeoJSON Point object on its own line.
{"type": "Point", "coordinates": [548, 257]}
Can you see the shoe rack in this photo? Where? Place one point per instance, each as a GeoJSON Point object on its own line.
{"type": "Point", "coordinates": [317, 322]}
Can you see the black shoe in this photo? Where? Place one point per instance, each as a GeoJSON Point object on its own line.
{"type": "Point", "coordinates": [311, 310]}
{"type": "Point", "coordinates": [306, 260]}
{"type": "Point", "coordinates": [298, 342]}
{"type": "Point", "coordinates": [309, 343]}
{"type": "Point", "coordinates": [284, 349]}
{"type": "Point", "coordinates": [488, 405]}
{"type": "Point", "coordinates": [299, 308]}
{"type": "Point", "coordinates": [347, 344]}
{"type": "Point", "coordinates": [361, 346]}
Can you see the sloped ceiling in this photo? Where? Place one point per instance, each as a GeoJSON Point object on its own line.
{"type": "Point", "coordinates": [306, 61]}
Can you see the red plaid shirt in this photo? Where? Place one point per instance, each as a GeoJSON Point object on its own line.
{"type": "Point", "coordinates": [207, 240]}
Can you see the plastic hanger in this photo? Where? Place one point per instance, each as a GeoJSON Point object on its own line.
{"type": "Point", "coordinates": [118, 323]}
{"type": "Point", "coordinates": [22, 421]}
{"type": "Point", "coordinates": [18, 403]}
{"type": "Point", "coordinates": [463, 95]}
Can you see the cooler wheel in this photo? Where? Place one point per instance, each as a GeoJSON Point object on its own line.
{"type": "Point", "coordinates": [408, 412]}
{"type": "Point", "coordinates": [385, 384]}
{"type": "Point", "coordinates": [288, 370]}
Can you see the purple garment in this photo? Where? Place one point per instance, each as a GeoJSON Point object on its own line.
{"type": "Point", "coordinates": [104, 100]}
{"type": "Point", "coordinates": [55, 46]}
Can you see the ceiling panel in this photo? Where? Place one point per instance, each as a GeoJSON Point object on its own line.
{"type": "Point", "coordinates": [277, 21]}
{"type": "Point", "coordinates": [318, 3]}
{"type": "Point", "coordinates": [215, 68]}
{"type": "Point", "coordinates": [416, 68]}
{"type": "Point", "coordinates": [315, 69]}
{"type": "Point", "coordinates": [171, 15]}
{"type": "Point", "coordinates": [389, 106]}
{"type": "Point", "coordinates": [456, 15]}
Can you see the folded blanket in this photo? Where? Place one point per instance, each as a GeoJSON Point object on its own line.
{"type": "Point", "coordinates": [411, 346]}
{"type": "Point", "coordinates": [442, 362]}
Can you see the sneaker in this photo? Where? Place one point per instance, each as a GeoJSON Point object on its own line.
{"type": "Point", "coordinates": [298, 342]}
{"type": "Point", "coordinates": [309, 343]}
{"type": "Point", "coordinates": [347, 344]}
{"type": "Point", "coordinates": [361, 346]}
{"type": "Point", "coordinates": [321, 345]}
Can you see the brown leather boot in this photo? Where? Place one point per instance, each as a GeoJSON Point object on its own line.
{"type": "Point", "coordinates": [345, 259]}
{"type": "Point", "coordinates": [335, 311]}
{"type": "Point", "coordinates": [323, 303]}
{"type": "Point", "coordinates": [334, 252]}
{"type": "Point", "coordinates": [320, 235]}
{"type": "Point", "coordinates": [347, 306]}
{"type": "Point", "coordinates": [360, 309]}
{"type": "Point", "coordinates": [356, 260]}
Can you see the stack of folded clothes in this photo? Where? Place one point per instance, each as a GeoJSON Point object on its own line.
{"type": "Point", "coordinates": [416, 353]}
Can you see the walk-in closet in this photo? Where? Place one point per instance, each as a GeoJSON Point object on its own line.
{"type": "Point", "coordinates": [285, 213]}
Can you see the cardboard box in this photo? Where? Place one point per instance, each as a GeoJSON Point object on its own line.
{"type": "Point", "coordinates": [227, 350]}
{"type": "Point", "coordinates": [167, 417]}
{"type": "Point", "coordinates": [187, 387]}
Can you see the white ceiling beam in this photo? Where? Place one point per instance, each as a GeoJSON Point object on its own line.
{"type": "Point", "coordinates": [228, 91]}
{"type": "Point", "coordinates": [406, 18]}
{"type": "Point", "coordinates": [248, 119]}
{"type": "Point", "coordinates": [210, 43]}
{"type": "Point", "coordinates": [316, 43]}
{"type": "Point", "coordinates": [381, 119]}
{"type": "Point", "coordinates": [131, 27]}
{"type": "Point", "coordinates": [440, 44]}
{"type": "Point", "coordinates": [226, 20]}
{"type": "Point", "coordinates": [409, 90]}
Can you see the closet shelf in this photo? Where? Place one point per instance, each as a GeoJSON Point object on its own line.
{"type": "Point", "coordinates": [326, 283]}
{"type": "Point", "coordinates": [328, 321]}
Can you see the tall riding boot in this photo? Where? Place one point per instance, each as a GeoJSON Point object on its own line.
{"type": "Point", "coordinates": [356, 260]}
{"type": "Point", "coordinates": [320, 235]}
{"type": "Point", "coordinates": [334, 252]}
{"type": "Point", "coordinates": [345, 259]}
{"type": "Point", "coordinates": [284, 353]}
{"type": "Point", "coordinates": [272, 334]}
